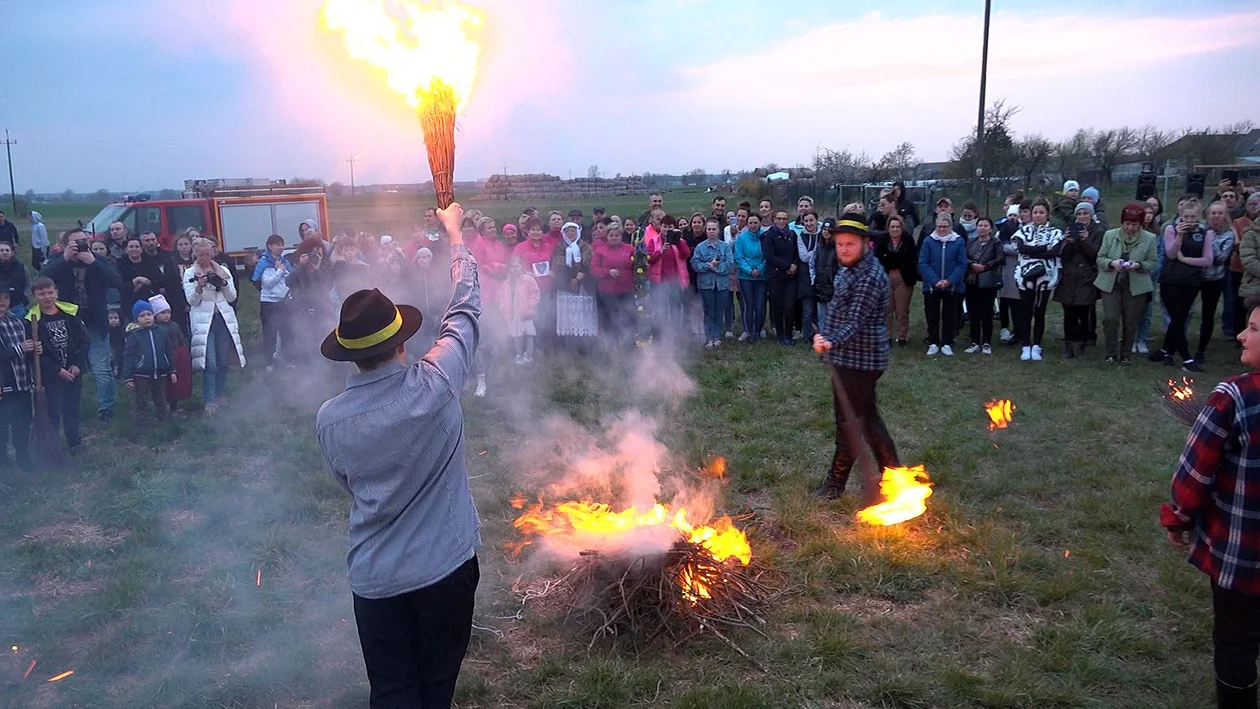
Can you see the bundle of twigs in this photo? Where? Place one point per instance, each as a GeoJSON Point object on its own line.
{"type": "Point", "coordinates": [47, 451]}
{"type": "Point", "coordinates": [1185, 410]}
{"type": "Point", "coordinates": [672, 596]}
{"type": "Point", "coordinates": [437, 121]}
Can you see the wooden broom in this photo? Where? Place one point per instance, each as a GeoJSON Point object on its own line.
{"type": "Point", "coordinates": [437, 122]}
{"type": "Point", "coordinates": [47, 450]}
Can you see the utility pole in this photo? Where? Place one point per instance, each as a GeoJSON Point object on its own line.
{"type": "Point", "coordinates": [980, 178]}
{"type": "Point", "coordinates": [9, 153]}
{"type": "Point", "coordinates": [352, 161]}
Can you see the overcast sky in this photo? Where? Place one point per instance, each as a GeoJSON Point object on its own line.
{"type": "Point", "coordinates": [141, 94]}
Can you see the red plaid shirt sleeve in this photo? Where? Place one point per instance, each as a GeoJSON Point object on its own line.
{"type": "Point", "coordinates": [1216, 489]}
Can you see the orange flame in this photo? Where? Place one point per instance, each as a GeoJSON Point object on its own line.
{"type": "Point", "coordinates": [716, 467]}
{"type": "Point", "coordinates": [999, 411]}
{"type": "Point", "coordinates": [61, 676]}
{"type": "Point", "coordinates": [905, 492]}
{"type": "Point", "coordinates": [415, 43]}
{"type": "Point", "coordinates": [1181, 392]}
{"type": "Point", "coordinates": [587, 524]}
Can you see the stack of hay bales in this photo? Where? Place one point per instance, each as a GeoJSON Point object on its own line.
{"type": "Point", "coordinates": [542, 188]}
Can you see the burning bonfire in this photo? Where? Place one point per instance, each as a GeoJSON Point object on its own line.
{"type": "Point", "coordinates": [646, 573]}
{"type": "Point", "coordinates": [1000, 412]}
{"type": "Point", "coordinates": [905, 491]}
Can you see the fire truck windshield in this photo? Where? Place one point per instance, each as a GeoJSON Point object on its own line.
{"type": "Point", "coordinates": [108, 215]}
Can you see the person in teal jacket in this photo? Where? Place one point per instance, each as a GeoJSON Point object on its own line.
{"type": "Point", "coordinates": [943, 268]}
{"type": "Point", "coordinates": [750, 262]}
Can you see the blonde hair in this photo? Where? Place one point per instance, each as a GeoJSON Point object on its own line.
{"type": "Point", "coordinates": [853, 208]}
{"type": "Point", "coordinates": [201, 241]}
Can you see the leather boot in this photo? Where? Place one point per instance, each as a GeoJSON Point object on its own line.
{"type": "Point", "coordinates": [1080, 350]}
{"type": "Point", "coordinates": [1228, 697]}
{"type": "Point", "coordinates": [837, 478]}
{"type": "Point", "coordinates": [1069, 350]}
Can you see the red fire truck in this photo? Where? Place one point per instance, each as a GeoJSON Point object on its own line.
{"type": "Point", "coordinates": [239, 213]}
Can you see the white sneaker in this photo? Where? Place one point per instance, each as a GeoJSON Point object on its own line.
{"type": "Point", "coordinates": [743, 337]}
{"type": "Point", "coordinates": [986, 350]}
{"type": "Point", "coordinates": [972, 348]}
{"type": "Point", "coordinates": [729, 335]}
{"type": "Point", "coordinates": [717, 344]}
{"type": "Point", "coordinates": [947, 351]}
{"type": "Point", "coordinates": [708, 345]}
{"type": "Point", "coordinates": [520, 359]}
{"type": "Point", "coordinates": [1142, 348]}
{"type": "Point", "coordinates": [1025, 354]}
{"type": "Point", "coordinates": [933, 350]}
{"type": "Point", "coordinates": [1036, 353]}
{"type": "Point", "coordinates": [1005, 335]}
{"type": "Point", "coordinates": [481, 386]}
{"type": "Point", "coordinates": [528, 359]}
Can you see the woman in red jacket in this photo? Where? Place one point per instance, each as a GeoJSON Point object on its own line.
{"type": "Point", "coordinates": [1215, 515]}
{"type": "Point", "coordinates": [613, 269]}
{"type": "Point", "coordinates": [667, 254]}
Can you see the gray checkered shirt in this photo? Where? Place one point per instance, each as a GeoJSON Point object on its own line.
{"type": "Point", "coordinates": [395, 440]}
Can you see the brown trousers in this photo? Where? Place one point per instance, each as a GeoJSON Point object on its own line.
{"type": "Point", "coordinates": [899, 306]}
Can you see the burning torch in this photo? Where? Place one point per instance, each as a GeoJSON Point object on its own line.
{"type": "Point", "coordinates": [429, 52]}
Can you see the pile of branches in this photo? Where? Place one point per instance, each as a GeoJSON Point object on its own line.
{"type": "Point", "coordinates": [1184, 410]}
{"type": "Point", "coordinates": [646, 598]}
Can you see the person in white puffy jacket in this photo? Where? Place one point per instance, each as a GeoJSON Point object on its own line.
{"type": "Point", "coordinates": [208, 287]}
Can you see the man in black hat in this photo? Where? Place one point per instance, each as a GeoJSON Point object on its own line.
{"type": "Point", "coordinates": [854, 345]}
{"type": "Point", "coordinates": [395, 440]}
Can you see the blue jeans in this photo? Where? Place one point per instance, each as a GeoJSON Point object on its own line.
{"type": "Point", "coordinates": [806, 304]}
{"type": "Point", "coordinates": [218, 359]}
{"type": "Point", "coordinates": [714, 306]}
{"type": "Point", "coordinates": [99, 361]}
{"type": "Point", "coordinates": [753, 294]}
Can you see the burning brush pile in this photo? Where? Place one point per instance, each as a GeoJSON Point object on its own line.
{"type": "Point", "coordinates": [644, 572]}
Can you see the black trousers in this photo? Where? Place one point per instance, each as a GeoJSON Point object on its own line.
{"type": "Point", "coordinates": [1076, 322]}
{"type": "Point", "coordinates": [15, 426]}
{"type": "Point", "coordinates": [1032, 316]}
{"type": "Point", "coordinates": [980, 306]}
{"type": "Point", "coordinates": [1235, 636]}
{"type": "Point", "coordinates": [274, 319]}
{"type": "Point", "coordinates": [1179, 300]}
{"type": "Point", "coordinates": [859, 385]}
{"type": "Point", "coordinates": [942, 309]}
{"type": "Point", "coordinates": [413, 644]}
{"type": "Point", "coordinates": [63, 404]}
{"type": "Point", "coordinates": [1210, 292]}
{"type": "Point", "coordinates": [782, 294]}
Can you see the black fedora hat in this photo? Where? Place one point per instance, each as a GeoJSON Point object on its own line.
{"type": "Point", "coordinates": [370, 324]}
{"type": "Point", "coordinates": [850, 224]}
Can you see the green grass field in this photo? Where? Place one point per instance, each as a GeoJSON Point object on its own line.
{"type": "Point", "coordinates": [201, 565]}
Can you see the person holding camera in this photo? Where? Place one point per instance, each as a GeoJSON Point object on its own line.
{"type": "Point", "coordinates": [1188, 253]}
{"type": "Point", "coordinates": [1125, 262]}
{"type": "Point", "coordinates": [1075, 292]}
{"type": "Point", "coordinates": [84, 280]}
{"type": "Point", "coordinates": [210, 292]}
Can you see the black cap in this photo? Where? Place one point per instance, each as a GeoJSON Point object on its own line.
{"type": "Point", "coordinates": [850, 224]}
{"type": "Point", "coordinates": [829, 223]}
{"type": "Point", "coordinates": [598, 210]}
{"type": "Point", "coordinates": [575, 212]}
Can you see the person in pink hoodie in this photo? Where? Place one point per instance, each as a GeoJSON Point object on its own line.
{"type": "Point", "coordinates": [668, 254]}
{"type": "Point", "coordinates": [535, 253]}
{"type": "Point", "coordinates": [492, 257]}
{"type": "Point", "coordinates": [613, 269]}
{"type": "Point", "coordinates": [518, 301]}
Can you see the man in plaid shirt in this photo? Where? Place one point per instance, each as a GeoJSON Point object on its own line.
{"type": "Point", "coordinates": [854, 345]}
{"type": "Point", "coordinates": [1216, 504]}
{"type": "Point", "coordinates": [16, 347]}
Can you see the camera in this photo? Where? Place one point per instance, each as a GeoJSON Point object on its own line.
{"type": "Point", "coordinates": [83, 245]}
{"type": "Point", "coordinates": [673, 236]}
{"type": "Point", "coordinates": [215, 280]}
{"type": "Point", "coordinates": [315, 257]}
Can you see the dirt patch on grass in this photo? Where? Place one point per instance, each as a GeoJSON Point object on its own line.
{"type": "Point", "coordinates": [179, 521]}
{"type": "Point", "coordinates": [77, 533]}
{"type": "Point", "coordinates": [48, 586]}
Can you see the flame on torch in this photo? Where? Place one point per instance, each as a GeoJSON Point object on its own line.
{"type": "Point", "coordinates": [429, 54]}
{"type": "Point", "coordinates": [999, 411]}
{"type": "Point", "coordinates": [905, 492]}
{"type": "Point", "coordinates": [1181, 392]}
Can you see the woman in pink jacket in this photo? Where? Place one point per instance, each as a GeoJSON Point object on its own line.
{"type": "Point", "coordinates": [613, 270]}
{"type": "Point", "coordinates": [668, 254]}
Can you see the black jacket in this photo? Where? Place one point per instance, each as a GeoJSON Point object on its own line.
{"type": "Point", "coordinates": [148, 353]}
{"type": "Point", "coordinates": [97, 277]}
{"type": "Point", "coordinates": [904, 258]}
{"type": "Point", "coordinates": [990, 255]}
{"type": "Point", "coordinates": [9, 232]}
{"type": "Point", "coordinates": [128, 272]}
{"type": "Point", "coordinates": [171, 285]}
{"type": "Point", "coordinates": [15, 276]}
{"type": "Point", "coordinates": [779, 247]}
{"type": "Point", "coordinates": [825, 265]}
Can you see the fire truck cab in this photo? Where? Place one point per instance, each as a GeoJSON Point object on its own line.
{"type": "Point", "coordinates": [237, 213]}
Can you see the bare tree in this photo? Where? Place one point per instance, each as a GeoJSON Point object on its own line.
{"type": "Point", "coordinates": [1151, 143]}
{"type": "Point", "coordinates": [1032, 156]}
{"type": "Point", "coordinates": [999, 146]}
{"type": "Point", "coordinates": [895, 163]}
{"type": "Point", "coordinates": [834, 168]}
{"type": "Point", "coordinates": [593, 172]}
{"type": "Point", "coordinates": [1108, 146]}
{"type": "Point", "coordinates": [1074, 154]}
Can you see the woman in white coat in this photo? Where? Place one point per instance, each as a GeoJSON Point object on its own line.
{"type": "Point", "coordinates": [208, 287]}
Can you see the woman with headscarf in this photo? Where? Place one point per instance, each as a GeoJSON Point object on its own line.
{"type": "Point", "coordinates": [1037, 272]}
{"type": "Point", "coordinates": [1079, 268]}
{"type": "Point", "coordinates": [1220, 231]}
{"type": "Point", "coordinates": [571, 263]}
{"type": "Point", "coordinates": [1125, 262]}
